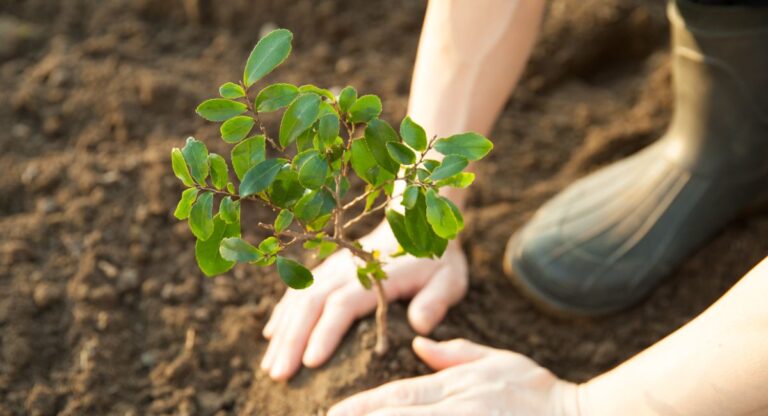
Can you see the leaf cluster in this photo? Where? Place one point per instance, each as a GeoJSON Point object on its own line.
{"type": "Point", "coordinates": [304, 174]}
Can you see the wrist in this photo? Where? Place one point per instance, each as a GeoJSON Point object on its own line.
{"type": "Point", "coordinates": [565, 399]}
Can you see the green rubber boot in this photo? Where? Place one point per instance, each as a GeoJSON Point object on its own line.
{"type": "Point", "coordinates": [604, 242]}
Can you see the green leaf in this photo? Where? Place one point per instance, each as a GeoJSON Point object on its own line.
{"type": "Point", "coordinates": [325, 249]}
{"type": "Point", "coordinates": [430, 164]}
{"type": "Point", "coordinates": [270, 246]}
{"type": "Point", "coordinates": [456, 214]}
{"type": "Point", "coordinates": [286, 189]}
{"type": "Point", "coordinates": [196, 155]}
{"type": "Point", "coordinates": [237, 250]}
{"type": "Point", "coordinates": [328, 129]}
{"type": "Point", "coordinates": [270, 52]}
{"type": "Point", "coordinates": [220, 109]}
{"type": "Point", "coordinates": [200, 217]}
{"type": "Point", "coordinates": [364, 278]}
{"type": "Point", "coordinates": [440, 216]}
{"type": "Point", "coordinates": [236, 128]}
{"type": "Point", "coordinates": [347, 97]}
{"type": "Point", "coordinates": [370, 199]}
{"type": "Point", "coordinates": [219, 170]}
{"type": "Point", "coordinates": [312, 170]}
{"type": "Point", "coordinates": [180, 168]}
{"type": "Point", "coordinates": [317, 90]}
{"type": "Point", "coordinates": [401, 153]}
{"type": "Point", "coordinates": [451, 165]}
{"type": "Point", "coordinates": [410, 195]}
{"type": "Point", "coordinates": [396, 222]}
{"type": "Point", "coordinates": [231, 90]}
{"type": "Point", "coordinates": [293, 274]}
{"type": "Point", "coordinates": [283, 220]}
{"type": "Point", "coordinates": [419, 230]}
{"type": "Point", "coordinates": [470, 145]}
{"type": "Point", "coordinates": [413, 134]}
{"type": "Point", "coordinates": [275, 97]}
{"type": "Point", "coordinates": [229, 210]}
{"type": "Point", "coordinates": [299, 116]}
{"type": "Point", "coordinates": [364, 109]}
{"type": "Point", "coordinates": [230, 187]}
{"type": "Point", "coordinates": [460, 180]}
{"type": "Point", "coordinates": [365, 165]}
{"type": "Point", "coordinates": [377, 134]}
{"type": "Point", "coordinates": [185, 203]}
{"type": "Point", "coordinates": [207, 252]}
{"type": "Point", "coordinates": [247, 154]}
{"type": "Point", "coordinates": [314, 205]}
{"type": "Point", "coordinates": [259, 177]}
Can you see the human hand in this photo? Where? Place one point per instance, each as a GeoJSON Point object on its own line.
{"type": "Point", "coordinates": [471, 380]}
{"type": "Point", "coordinates": [307, 325]}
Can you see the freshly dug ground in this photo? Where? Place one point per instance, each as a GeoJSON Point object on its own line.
{"type": "Point", "coordinates": [102, 308]}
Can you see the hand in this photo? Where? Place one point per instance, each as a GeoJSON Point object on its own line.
{"type": "Point", "coordinates": [471, 380]}
{"type": "Point", "coordinates": [307, 325]}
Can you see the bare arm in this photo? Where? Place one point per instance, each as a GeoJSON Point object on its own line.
{"type": "Point", "coordinates": [715, 365]}
{"type": "Point", "coordinates": [471, 55]}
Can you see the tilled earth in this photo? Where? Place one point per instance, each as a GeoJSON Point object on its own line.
{"type": "Point", "coordinates": [102, 309]}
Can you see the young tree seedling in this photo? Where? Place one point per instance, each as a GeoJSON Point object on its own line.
{"type": "Point", "coordinates": [308, 189]}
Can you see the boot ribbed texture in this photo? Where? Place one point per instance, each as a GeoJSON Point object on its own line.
{"type": "Point", "coordinates": [609, 238]}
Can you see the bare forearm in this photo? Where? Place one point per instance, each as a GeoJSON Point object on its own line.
{"type": "Point", "coordinates": [717, 364]}
{"type": "Point", "coordinates": [471, 54]}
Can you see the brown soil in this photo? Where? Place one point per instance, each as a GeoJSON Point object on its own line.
{"type": "Point", "coordinates": [102, 309]}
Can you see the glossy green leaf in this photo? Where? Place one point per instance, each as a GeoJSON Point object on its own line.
{"type": "Point", "coordinates": [451, 165]}
{"type": "Point", "coordinates": [207, 252]}
{"type": "Point", "coordinates": [430, 164]}
{"type": "Point", "coordinates": [401, 153]}
{"type": "Point", "coordinates": [377, 134]}
{"type": "Point", "coordinates": [236, 128]}
{"type": "Point", "coordinates": [229, 210]}
{"type": "Point", "coordinates": [270, 246]}
{"type": "Point", "coordinates": [317, 90]}
{"type": "Point", "coordinates": [328, 129]}
{"type": "Point", "coordinates": [419, 230]}
{"type": "Point", "coordinates": [219, 170]}
{"type": "Point", "coordinates": [259, 177]}
{"type": "Point", "coordinates": [440, 216]}
{"type": "Point", "coordinates": [371, 199]}
{"type": "Point", "coordinates": [363, 276]}
{"type": "Point", "coordinates": [286, 190]}
{"type": "Point", "coordinates": [365, 165]}
{"type": "Point", "coordinates": [410, 195]}
{"type": "Point", "coordinates": [269, 52]}
{"type": "Point", "coordinates": [231, 90]}
{"type": "Point", "coordinates": [396, 223]}
{"type": "Point", "coordinates": [312, 170]}
{"type": "Point", "coordinates": [299, 116]}
{"type": "Point", "coordinates": [201, 216]}
{"type": "Point", "coordinates": [460, 180]}
{"type": "Point", "coordinates": [196, 155]}
{"type": "Point", "coordinates": [180, 168]}
{"type": "Point", "coordinates": [220, 109]}
{"type": "Point", "coordinates": [283, 220]}
{"type": "Point", "coordinates": [237, 250]}
{"type": "Point", "coordinates": [470, 145]}
{"type": "Point", "coordinates": [185, 203]}
{"type": "Point", "coordinates": [413, 134]}
{"type": "Point", "coordinates": [364, 109]}
{"type": "Point", "coordinates": [314, 205]}
{"type": "Point", "coordinates": [293, 274]}
{"type": "Point", "coordinates": [347, 97]}
{"type": "Point", "coordinates": [325, 249]}
{"type": "Point", "coordinates": [247, 154]}
{"type": "Point", "coordinates": [275, 97]}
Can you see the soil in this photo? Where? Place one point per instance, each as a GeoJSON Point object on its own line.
{"type": "Point", "coordinates": [102, 309]}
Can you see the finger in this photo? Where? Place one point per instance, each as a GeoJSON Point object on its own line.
{"type": "Point", "coordinates": [409, 392]}
{"type": "Point", "coordinates": [447, 287]}
{"type": "Point", "coordinates": [441, 355]}
{"type": "Point", "coordinates": [341, 309]}
{"type": "Point", "coordinates": [292, 340]}
{"type": "Point", "coordinates": [442, 408]}
{"type": "Point", "coordinates": [269, 328]}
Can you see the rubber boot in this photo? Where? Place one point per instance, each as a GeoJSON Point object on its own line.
{"type": "Point", "coordinates": [608, 239]}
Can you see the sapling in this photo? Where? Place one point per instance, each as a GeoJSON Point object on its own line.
{"type": "Point", "coordinates": [308, 189]}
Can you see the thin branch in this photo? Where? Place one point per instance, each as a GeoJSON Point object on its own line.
{"type": "Point", "coordinates": [253, 110]}
{"type": "Point", "coordinates": [364, 214]}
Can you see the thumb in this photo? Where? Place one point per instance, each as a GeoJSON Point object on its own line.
{"type": "Point", "coordinates": [446, 287]}
{"type": "Point", "coordinates": [441, 355]}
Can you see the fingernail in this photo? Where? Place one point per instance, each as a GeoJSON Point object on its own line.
{"type": "Point", "coordinates": [279, 371]}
